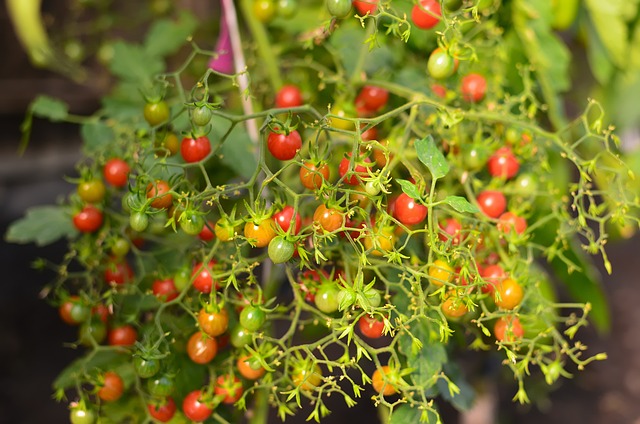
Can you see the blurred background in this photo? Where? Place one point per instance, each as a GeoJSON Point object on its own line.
{"type": "Point", "coordinates": [32, 336]}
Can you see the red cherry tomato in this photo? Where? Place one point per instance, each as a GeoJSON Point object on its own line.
{"type": "Point", "coordinates": [371, 98]}
{"type": "Point", "coordinates": [473, 88]}
{"type": "Point", "coordinates": [365, 6]}
{"type": "Point", "coordinates": [162, 411]}
{"type": "Point", "coordinates": [230, 387]}
{"type": "Point", "coordinates": [493, 275]}
{"type": "Point", "coordinates": [503, 163]}
{"type": "Point", "coordinates": [195, 149]}
{"type": "Point", "coordinates": [284, 218]}
{"type": "Point", "coordinates": [159, 192]}
{"type": "Point", "coordinates": [492, 203]}
{"type": "Point", "coordinates": [289, 96]}
{"type": "Point", "coordinates": [112, 387]}
{"type": "Point", "coordinates": [202, 279]}
{"type": "Point", "coordinates": [408, 211]}
{"type": "Point", "coordinates": [451, 228]}
{"type": "Point", "coordinates": [118, 272]}
{"type": "Point", "coordinates": [312, 175]}
{"type": "Point", "coordinates": [207, 234]}
{"type": "Point", "coordinates": [124, 335]}
{"type": "Point", "coordinates": [508, 329]}
{"type": "Point", "coordinates": [194, 409]}
{"type": "Point", "coordinates": [202, 348]}
{"type": "Point", "coordinates": [284, 146]}
{"type": "Point", "coordinates": [88, 220]}
{"type": "Point", "coordinates": [371, 327]}
{"type": "Point", "coordinates": [165, 290]}
{"type": "Point", "coordinates": [329, 219]}
{"type": "Point", "coordinates": [426, 14]}
{"type": "Point", "coordinates": [358, 171]}
{"type": "Point", "coordinates": [509, 221]}
{"type": "Point", "coordinates": [116, 172]}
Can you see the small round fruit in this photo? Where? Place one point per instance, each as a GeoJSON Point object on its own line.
{"type": "Point", "coordinates": [385, 388]}
{"type": "Point", "coordinates": [306, 379]}
{"type": "Point", "coordinates": [339, 8]}
{"type": "Point", "coordinates": [494, 275]}
{"type": "Point", "coordinates": [280, 249]}
{"type": "Point", "coordinates": [508, 329]}
{"type": "Point", "coordinates": [191, 222]}
{"type": "Point", "coordinates": [440, 273]}
{"type": "Point", "coordinates": [329, 219]}
{"type": "Point", "coordinates": [289, 96]}
{"type": "Point", "coordinates": [508, 294]}
{"type": "Point", "coordinates": [116, 172]}
{"type": "Point", "coordinates": [201, 116]}
{"type": "Point", "coordinates": [252, 318]}
{"type": "Point", "coordinates": [284, 146]}
{"type": "Point", "coordinates": [112, 387]}
{"type": "Point", "coordinates": [88, 220]}
{"type": "Point", "coordinates": [312, 175]}
{"type": "Point", "coordinates": [195, 149]}
{"type": "Point", "coordinates": [156, 113]}
{"type": "Point", "coordinates": [159, 192]}
{"type": "Point", "coordinates": [124, 335]}
{"type": "Point", "coordinates": [79, 415]}
{"type": "Point", "coordinates": [91, 191]}
{"type": "Point", "coordinates": [509, 222]}
{"type": "Point", "coordinates": [202, 277]}
{"type": "Point", "coordinates": [473, 88]}
{"type": "Point", "coordinates": [240, 336]}
{"type": "Point", "coordinates": [326, 299]}
{"type": "Point", "coordinates": [261, 233]}
{"type": "Point", "coordinates": [250, 368]}
{"type": "Point", "coordinates": [371, 327]}
{"type": "Point", "coordinates": [440, 65]}
{"type": "Point", "coordinates": [359, 171]}
{"type": "Point", "coordinates": [194, 409]}
{"type": "Point", "coordinates": [229, 388]}
{"type": "Point", "coordinates": [213, 323]}
{"type": "Point", "coordinates": [372, 98]}
{"type": "Point", "coordinates": [365, 6]}
{"type": "Point", "coordinates": [408, 211]}
{"type": "Point", "coordinates": [146, 368]}
{"type": "Point", "coordinates": [165, 290]}
{"type": "Point", "coordinates": [285, 217]}
{"type": "Point", "coordinates": [492, 203]}
{"type": "Point", "coordinates": [426, 14]}
{"type": "Point", "coordinates": [450, 230]}
{"type": "Point", "coordinates": [201, 348]}
{"type": "Point", "coordinates": [160, 386]}
{"type": "Point", "coordinates": [162, 411]}
{"type": "Point", "coordinates": [453, 307]}
{"type": "Point", "coordinates": [503, 163]}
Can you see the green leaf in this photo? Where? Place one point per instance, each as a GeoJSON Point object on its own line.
{"type": "Point", "coordinates": [41, 225]}
{"type": "Point", "coordinates": [600, 64]}
{"type": "Point", "coordinates": [103, 360]}
{"type": "Point", "coordinates": [426, 361]}
{"type": "Point", "coordinates": [189, 374]}
{"type": "Point", "coordinates": [97, 137]}
{"type": "Point", "coordinates": [133, 63]}
{"type": "Point", "coordinates": [463, 400]}
{"type": "Point", "coordinates": [461, 204]}
{"type": "Point", "coordinates": [432, 157]}
{"type": "Point", "coordinates": [405, 414]}
{"type": "Point", "coordinates": [409, 188]}
{"type": "Point", "coordinates": [610, 19]}
{"type": "Point", "coordinates": [50, 108]}
{"type": "Point", "coordinates": [238, 152]}
{"type": "Point", "coordinates": [130, 305]}
{"type": "Point", "coordinates": [166, 36]}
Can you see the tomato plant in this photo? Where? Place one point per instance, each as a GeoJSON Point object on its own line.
{"type": "Point", "coordinates": [111, 387]}
{"type": "Point", "coordinates": [347, 170]}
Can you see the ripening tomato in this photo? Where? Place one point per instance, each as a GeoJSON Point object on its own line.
{"type": "Point", "coordinates": [88, 220]}
{"type": "Point", "coordinates": [365, 6]}
{"type": "Point", "coordinates": [224, 230]}
{"type": "Point", "coordinates": [509, 221]}
{"type": "Point", "coordinates": [289, 96]}
{"type": "Point", "coordinates": [73, 311]}
{"type": "Point", "coordinates": [329, 219]}
{"type": "Point", "coordinates": [230, 387]}
{"type": "Point", "coordinates": [125, 335]}
{"type": "Point", "coordinates": [508, 294]}
{"type": "Point", "coordinates": [159, 192]}
{"type": "Point", "coordinates": [201, 348]}
{"type": "Point", "coordinates": [508, 329]}
{"type": "Point", "coordinates": [371, 98]}
{"type": "Point", "coordinates": [358, 170]}
{"type": "Point", "coordinates": [92, 331]}
{"type": "Point", "coordinates": [116, 172]}
{"type": "Point", "coordinates": [101, 312]}
{"type": "Point", "coordinates": [450, 230]}
{"type": "Point", "coordinates": [195, 149]}
{"type": "Point", "coordinates": [202, 277]}
{"type": "Point", "coordinates": [250, 368]}
{"type": "Point", "coordinates": [162, 410]}
{"type": "Point", "coordinates": [91, 191]}
{"type": "Point", "coordinates": [118, 272]}
{"type": "Point", "coordinates": [380, 241]}
{"type": "Point", "coordinates": [473, 88]}
{"type": "Point", "coordinates": [261, 233]}
{"type": "Point", "coordinates": [169, 143]}
{"type": "Point", "coordinates": [380, 381]}
{"type": "Point", "coordinates": [371, 327]}
{"type": "Point", "coordinates": [503, 163]}
{"type": "Point", "coordinates": [155, 113]}
{"type": "Point", "coordinates": [440, 272]}
{"type": "Point", "coordinates": [194, 409]}
{"type": "Point", "coordinates": [213, 323]}
{"type": "Point", "coordinates": [165, 290]}
{"type": "Point", "coordinates": [307, 379]}
{"type": "Point", "coordinates": [408, 211]}
{"type": "Point", "coordinates": [112, 387]}
{"type": "Point", "coordinates": [207, 234]}
{"type": "Point", "coordinates": [453, 306]}
{"type": "Point", "coordinates": [285, 217]}
{"type": "Point", "coordinates": [426, 14]}
{"type": "Point", "coordinates": [312, 175]}
{"type": "Point", "coordinates": [492, 203]}
{"type": "Point", "coordinates": [493, 275]}
{"type": "Point", "coordinates": [284, 146]}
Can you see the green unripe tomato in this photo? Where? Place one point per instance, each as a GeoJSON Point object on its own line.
{"type": "Point", "coordinates": [92, 329]}
{"type": "Point", "coordinates": [280, 249]}
{"type": "Point", "coordinates": [182, 278]}
{"type": "Point", "coordinates": [80, 415]}
{"type": "Point", "coordinates": [79, 312]}
{"type": "Point", "coordinates": [201, 116]}
{"type": "Point", "coordinates": [120, 247]}
{"type": "Point", "coordinates": [252, 318]}
{"type": "Point", "coordinates": [161, 386]}
{"type": "Point", "coordinates": [327, 298]}
{"type": "Point", "coordinates": [146, 368]}
{"type": "Point", "coordinates": [240, 336]}
{"type": "Point", "coordinates": [156, 113]}
{"type": "Point", "coordinates": [191, 223]}
{"type": "Point", "coordinates": [339, 8]}
{"type": "Point", "coordinates": [373, 297]}
{"type": "Point", "coordinates": [440, 65]}
{"type": "Point", "coordinates": [139, 221]}
{"type": "Point", "coordinates": [287, 8]}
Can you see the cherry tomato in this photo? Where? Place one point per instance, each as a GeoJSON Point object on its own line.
{"type": "Point", "coordinates": [493, 275]}
{"type": "Point", "coordinates": [124, 335]}
{"type": "Point", "coordinates": [138, 221]}
{"type": "Point", "coordinates": [408, 211]}
{"type": "Point", "coordinates": [79, 415]}
{"type": "Point", "coordinates": [201, 348]}
{"type": "Point", "coordinates": [426, 14]}
{"type": "Point", "coordinates": [473, 88]}
{"type": "Point", "coordinates": [440, 65]}
{"type": "Point", "coordinates": [224, 230]}
{"type": "Point", "coordinates": [112, 387]}
{"type": "Point", "coordinates": [91, 331]}
{"type": "Point", "coordinates": [159, 192]}
{"type": "Point", "coordinates": [160, 386]}
{"type": "Point", "coordinates": [194, 409]}
{"type": "Point", "coordinates": [503, 163]}
{"type": "Point", "coordinates": [201, 116]}
{"type": "Point", "coordinates": [450, 230]}
{"type": "Point", "coordinates": [146, 368]}
{"type": "Point", "coordinates": [156, 113]}
{"type": "Point", "coordinates": [163, 410]}
{"type": "Point", "coordinates": [509, 221]}
{"type": "Point", "coordinates": [281, 250]}
{"type": "Point", "coordinates": [358, 171]}
{"type": "Point", "coordinates": [252, 318]}
{"type": "Point", "coordinates": [372, 98]}
{"type": "Point", "coordinates": [285, 217]}
{"type": "Point", "coordinates": [385, 388]}
{"type": "Point", "coordinates": [306, 379]}
{"type": "Point", "coordinates": [116, 172]}
{"type": "Point", "coordinates": [202, 277]}
{"type": "Point", "coordinates": [329, 219]}
{"type": "Point", "coordinates": [240, 336]}
{"type": "Point", "coordinates": [73, 311]}
{"type": "Point", "coordinates": [170, 143]}
{"type": "Point", "coordinates": [439, 90]}
{"type": "Point", "coordinates": [118, 272]}
{"type": "Point", "coordinates": [326, 298]}
{"type": "Point", "coordinates": [371, 327]}
{"type": "Point", "coordinates": [380, 241]}
{"type": "Point", "coordinates": [88, 220]}
{"type": "Point", "coordinates": [440, 273]}
{"type": "Point", "coordinates": [287, 8]}
{"type": "Point", "coordinates": [191, 222]}
{"type": "Point", "coordinates": [508, 329]}
{"type": "Point", "coordinates": [492, 203]}
{"type": "Point", "coordinates": [284, 146]}
{"type": "Point", "coordinates": [250, 368]}
{"type": "Point", "coordinates": [342, 119]}
{"type": "Point", "coordinates": [261, 233]}
{"type": "Point", "coordinates": [213, 323]}
{"type": "Point", "coordinates": [365, 6]}
{"type": "Point", "coordinates": [289, 96]}
{"type": "Point", "coordinates": [312, 175]}
{"type": "Point", "coordinates": [339, 8]}
{"type": "Point", "coordinates": [206, 234]}
{"type": "Point", "coordinates": [264, 10]}
{"type": "Point", "coordinates": [120, 247]}
{"type": "Point", "coordinates": [229, 388]}
{"type": "Point", "coordinates": [453, 307]}
{"type": "Point", "coordinates": [508, 294]}
{"type": "Point", "coordinates": [195, 149]}
{"type": "Point", "coordinates": [165, 290]}
{"type": "Point", "coordinates": [91, 191]}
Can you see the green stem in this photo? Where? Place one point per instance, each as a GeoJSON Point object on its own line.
{"type": "Point", "coordinates": [260, 407]}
